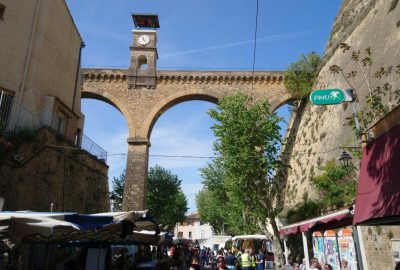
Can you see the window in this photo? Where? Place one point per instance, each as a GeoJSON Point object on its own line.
{"type": "Point", "coordinates": [2, 10]}
{"type": "Point", "coordinates": [61, 123]}
{"type": "Point", "coordinates": [190, 223]}
{"type": "Point", "coordinates": [190, 235]}
{"type": "Point", "coordinates": [6, 102]}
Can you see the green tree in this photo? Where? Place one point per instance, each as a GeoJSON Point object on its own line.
{"type": "Point", "coordinates": [336, 185]}
{"type": "Point", "coordinates": [248, 143]}
{"type": "Point", "coordinates": [165, 199]}
{"type": "Point", "coordinates": [300, 76]}
{"type": "Point", "coordinates": [212, 202]}
{"type": "Point", "coordinates": [118, 191]}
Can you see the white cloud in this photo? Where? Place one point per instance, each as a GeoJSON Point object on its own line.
{"type": "Point", "coordinates": [268, 39]}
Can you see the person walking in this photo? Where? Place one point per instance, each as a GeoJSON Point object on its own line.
{"type": "Point", "coordinates": [260, 260]}
{"type": "Point", "coordinates": [314, 265]}
{"type": "Point", "coordinates": [203, 256]}
{"type": "Point", "coordinates": [230, 260]}
{"type": "Point", "coordinates": [221, 263]}
{"type": "Point", "coordinates": [245, 260]}
{"type": "Point", "coordinates": [289, 265]}
{"type": "Point", "coordinates": [252, 259]}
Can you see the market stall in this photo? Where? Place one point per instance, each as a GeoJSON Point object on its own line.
{"type": "Point", "coordinates": [332, 238]}
{"type": "Point", "coordinates": [55, 238]}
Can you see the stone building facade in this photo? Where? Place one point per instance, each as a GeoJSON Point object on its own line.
{"type": "Point", "coordinates": [193, 228]}
{"type": "Point", "coordinates": [50, 175]}
{"type": "Point", "coordinates": [40, 66]}
{"type": "Point", "coordinates": [41, 123]}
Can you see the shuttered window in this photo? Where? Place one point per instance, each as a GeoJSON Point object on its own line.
{"type": "Point", "coordinates": [6, 101]}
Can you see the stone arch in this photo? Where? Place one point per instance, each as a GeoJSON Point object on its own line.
{"type": "Point", "coordinates": [168, 102]}
{"type": "Point", "coordinates": [113, 101]}
{"type": "Point", "coordinates": [283, 102]}
{"type": "Point", "coordinates": [142, 62]}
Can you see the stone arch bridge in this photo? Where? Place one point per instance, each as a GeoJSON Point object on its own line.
{"type": "Point", "coordinates": [141, 107]}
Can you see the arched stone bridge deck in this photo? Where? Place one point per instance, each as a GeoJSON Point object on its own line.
{"type": "Point", "coordinates": [141, 107]}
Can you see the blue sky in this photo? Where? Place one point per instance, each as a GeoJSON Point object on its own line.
{"type": "Point", "coordinates": [199, 35]}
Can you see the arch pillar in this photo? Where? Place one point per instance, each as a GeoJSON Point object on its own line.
{"type": "Point", "coordinates": [135, 189]}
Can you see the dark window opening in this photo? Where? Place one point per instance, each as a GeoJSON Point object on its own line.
{"type": "Point", "coordinates": [6, 102]}
{"type": "Point", "coordinates": [2, 10]}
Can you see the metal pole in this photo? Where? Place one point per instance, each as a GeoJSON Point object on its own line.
{"type": "Point", "coordinates": [305, 247]}
{"type": "Point", "coordinates": [363, 263]}
{"type": "Point", "coordinates": [286, 251]}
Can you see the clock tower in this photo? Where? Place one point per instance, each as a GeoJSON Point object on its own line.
{"type": "Point", "coordinates": [142, 70]}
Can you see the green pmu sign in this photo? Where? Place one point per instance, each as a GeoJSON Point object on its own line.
{"type": "Point", "coordinates": [327, 96]}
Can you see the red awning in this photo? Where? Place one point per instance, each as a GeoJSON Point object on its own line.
{"type": "Point", "coordinates": [378, 193]}
{"type": "Point", "coordinates": [289, 229]}
{"type": "Point", "coordinates": [338, 219]}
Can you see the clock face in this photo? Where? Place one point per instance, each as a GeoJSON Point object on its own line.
{"type": "Point", "coordinates": [143, 39]}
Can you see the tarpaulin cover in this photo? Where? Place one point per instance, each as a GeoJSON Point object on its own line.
{"type": "Point", "coordinates": [88, 222]}
{"type": "Point", "coordinates": [66, 227]}
{"type": "Point", "coordinates": [333, 220]}
{"type": "Point", "coordinates": [378, 193]}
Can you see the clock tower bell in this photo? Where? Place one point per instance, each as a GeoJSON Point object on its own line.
{"type": "Point", "coordinates": [142, 70]}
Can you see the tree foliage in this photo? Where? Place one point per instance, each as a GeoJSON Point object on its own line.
{"type": "Point", "coordinates": [165, 199]}
{"type": "Point", "coordinates": [300, 76]}
{"type": "Point", "coordinates": [118, 191]}
{"type": "Point", "coordinates": [242, 180]}
{"type": "Point", "coordinates": [336, 185]}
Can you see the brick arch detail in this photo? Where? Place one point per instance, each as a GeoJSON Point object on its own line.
{"type": "Point", "coordinates": [113, 101]}
{"type": "Point", "coordinates": [172, 100]}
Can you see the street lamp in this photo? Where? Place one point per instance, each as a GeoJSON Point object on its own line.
{"type": "Point", "coordinates": [345, 159]}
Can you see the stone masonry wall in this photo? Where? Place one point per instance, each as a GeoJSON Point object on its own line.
{"type": "Point", "coordinates": [50, 171]}
{"type": "Point", "coordinates": [378, 245]}
{"type": "Point", "coordinates": [362, 24]}
{"type": "Point", "coordinates": [321, 131]}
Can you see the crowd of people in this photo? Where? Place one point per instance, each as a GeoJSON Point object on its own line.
{"type": "Point", "coordinates": [221, 259]}
{"type": "Point", "coordinates": [314, 265]}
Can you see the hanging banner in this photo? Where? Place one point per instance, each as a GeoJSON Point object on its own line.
{"type": "Point", "coordinates": [318, 247]}
{"type": "Point", "coordinates": [331, 249]}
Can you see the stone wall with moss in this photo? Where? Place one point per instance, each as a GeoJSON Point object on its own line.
{"type": "Point", "coordinates": [318, 132]}
{"type": "Point", "coordinates": [42, 168]}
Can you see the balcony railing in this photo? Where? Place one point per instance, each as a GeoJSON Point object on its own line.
{"type": "Point", "coordinates": [93, 148]}
{"type": "Point", "coordinates": [14, 117]}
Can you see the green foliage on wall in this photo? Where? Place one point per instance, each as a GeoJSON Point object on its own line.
{"type": "Point", "coordinates": [336, 185]}
{"type": "Point", "coordinates": [300, 76]}
{"type": "Point", "coordinates": [381, 97]}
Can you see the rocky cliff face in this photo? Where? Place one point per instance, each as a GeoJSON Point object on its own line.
{"type": "Point", "coordinates": [361, 24]}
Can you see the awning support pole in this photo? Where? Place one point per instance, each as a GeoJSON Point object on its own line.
{"type": "Point", "coordinates": [305, 247]}
{"type": "Point", "coordinates": [360, 243]}
{"type": "Point", "coordinates": [286, 251]}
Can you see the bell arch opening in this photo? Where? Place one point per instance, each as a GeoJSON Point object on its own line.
{"type": "Point", "coordinates": [142, 62]}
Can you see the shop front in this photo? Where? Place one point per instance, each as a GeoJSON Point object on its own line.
{"type": "Point", "coordinates": [332, 238]}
